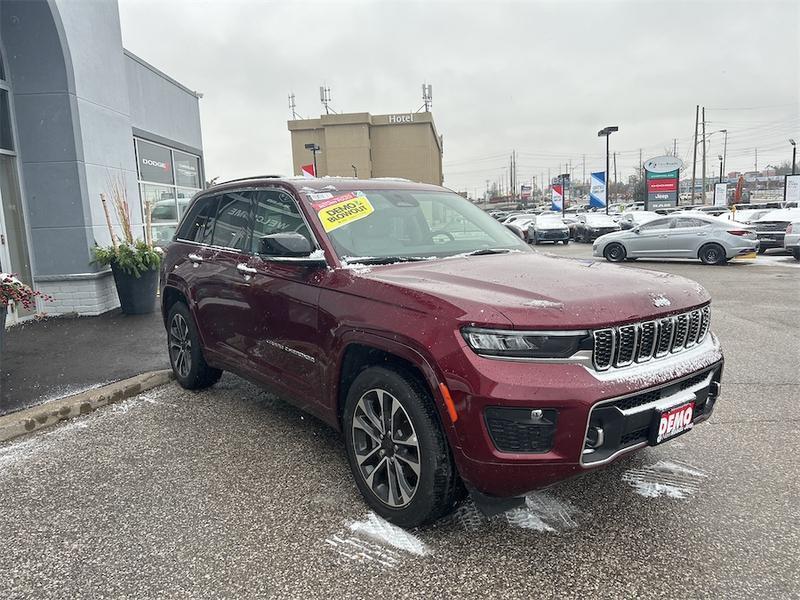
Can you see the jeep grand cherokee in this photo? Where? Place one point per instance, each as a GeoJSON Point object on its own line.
{"type": "Point", "coordinates": [449, 354]}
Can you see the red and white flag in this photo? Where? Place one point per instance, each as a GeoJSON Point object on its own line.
{"type": "Point", "coordinates": [308, 170]}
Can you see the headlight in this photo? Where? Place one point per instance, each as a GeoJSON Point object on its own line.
{"type": "Point", "coordinates": [526, 344]}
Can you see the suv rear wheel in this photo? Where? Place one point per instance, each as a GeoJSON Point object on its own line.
{"type": "Point", "coordinates": [185, 355]}
{"type": "Point", "coordinates": [396, 448]}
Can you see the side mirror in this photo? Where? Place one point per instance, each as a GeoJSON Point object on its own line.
{"type": "Point", "coordinates": [636, 229]}
{"type": "Point", "coordinates": [288, 247]}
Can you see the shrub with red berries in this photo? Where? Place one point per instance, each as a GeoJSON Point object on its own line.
{"type": "Point", "coordinates": [14, 292]}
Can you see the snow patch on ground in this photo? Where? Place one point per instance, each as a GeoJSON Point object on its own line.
{"type": "Point", "coordinates": [544, 512]}
{"type": "Point", "coordinates": [665, 478]}
{"type": "Point", "coordinates": [27, 447]}
{"type": "Point", "coordinates": [375, 540]}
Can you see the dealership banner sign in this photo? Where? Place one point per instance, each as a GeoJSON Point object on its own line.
{"type": "Point", "coordinates": [662, 179]}
{"type": "Point", "coordinates": [792, 188]}
{"type": "Point", "coordinates": [558, 197]}
{"type": "Point", "coordinates": [525, 191]}
{"type": "Point", "coordinates": [720, 194]}
{"type": "Point", "coordinates": [597, 190]}
{"type": "Point", "coordinates": [308, 170]}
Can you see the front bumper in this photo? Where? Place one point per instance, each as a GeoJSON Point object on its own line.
{"type": "Point", "coordinates": [581, 398]}
{"type": "Point", "coordinates": [552, 235]}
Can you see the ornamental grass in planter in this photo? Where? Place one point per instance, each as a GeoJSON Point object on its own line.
{"type": "Point", "coordinates": [134, 262]}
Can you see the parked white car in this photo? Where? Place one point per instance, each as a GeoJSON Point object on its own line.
{"type": "Point", "coordinates": [791, 240]}
{"type": "Point", "coordinates": [681, 235]}
{"type": "Point", "coordinates": [548, 228]}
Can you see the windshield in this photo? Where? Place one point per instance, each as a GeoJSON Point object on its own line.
{"type": "Point", "coordinates": [409, 224]}
{"type": "Point", "coordinates": [600, 220]}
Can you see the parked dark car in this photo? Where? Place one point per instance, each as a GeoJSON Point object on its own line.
{"type": "Point", "coordinates": [548, 228]}
{"type": "Point", "coordinates": [771, 227]}
{"type": "Point", "coordinates": [591, 226]}
{"type": "Point", "coordinates": [449, 354]}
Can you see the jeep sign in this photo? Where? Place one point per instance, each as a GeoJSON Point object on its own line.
{"type": "Point", "coordinates": [401, 119]}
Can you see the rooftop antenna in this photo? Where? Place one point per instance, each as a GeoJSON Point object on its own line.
{"type": "Point", "coordinates": [292, 106]}
{"type": "Point", "coordinates": [325, 98]}
{"type": "Point", "coordinates": [427, 97]}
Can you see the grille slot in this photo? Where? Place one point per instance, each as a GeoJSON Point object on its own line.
{"type": "Point", "coordinates": [603, 348]}
{"type": "Point", "coordinates": [640, 342]}
{"type": "Point", "coordinates": [626, 345]}
{"type": "Point", "coordinates": [681, 331]}
{"type": "Point", "coordinates": [647, 341]}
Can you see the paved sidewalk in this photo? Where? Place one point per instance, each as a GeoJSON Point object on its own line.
{"type": "Point", "coordinates": [58, 357]}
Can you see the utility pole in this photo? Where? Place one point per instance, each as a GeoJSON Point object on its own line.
{"type": "Point", "coordinates": [725, 150]}
{"type": "Point", "coordinates": [755, 164]}
{"type": "Point", "coordinates": [642, 181]}
{"type": "Point", "coordinates": [615, 169]}
{"type": "Point", "coordinates": [694, 153]}
{"type": "Point", "coordinates": [704, 156]}
{"type": "Point", "coordinates": [583, 179]}
{"type": "Point", "coordinates": [674, 147]}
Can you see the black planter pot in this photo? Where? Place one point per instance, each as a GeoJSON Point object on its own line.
{"type": "Point", "coordinates": [137, 295]}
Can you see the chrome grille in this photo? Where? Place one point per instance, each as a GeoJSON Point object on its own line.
{"type": "Point", "coordinates": [640, 342]}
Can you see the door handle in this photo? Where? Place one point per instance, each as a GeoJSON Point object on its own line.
{"type": "Point", "coordinates": [195, 258]}
{"type": "Point", "coordinates": [244, 269]}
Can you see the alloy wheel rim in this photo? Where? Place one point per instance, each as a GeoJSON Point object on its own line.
{"type": "Point", "coordinates": [180, 345]}
{"type": "Point", "coordinates": [711, 254]}
{"type": "Point", "coordinates": [615, 252]}
{"type": "Point", "coordinates": [386, 448]}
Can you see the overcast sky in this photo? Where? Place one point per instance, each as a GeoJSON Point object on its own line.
{"type": "Point", "coordinates": [540, 78]}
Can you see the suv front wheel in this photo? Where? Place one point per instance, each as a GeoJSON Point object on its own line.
{"type": "Point", "coordinates": [396, 448]}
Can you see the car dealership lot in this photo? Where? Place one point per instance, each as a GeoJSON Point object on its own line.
{"type": "Point", "coordinates": [232, 492]}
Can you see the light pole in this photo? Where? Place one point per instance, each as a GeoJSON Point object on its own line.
{"type": "Point", "coordinates": [355, 171]}
{"type": "Point", "coordinates": [720, 168]}
{"type": "Point", "coordinates": [607, 131]}
{"type": "Point", "coordinates": [314, 149]}
{"type": "Point", "coordinates": [794, 155]}
{"type": "Point", "coordinates": [725, 149]}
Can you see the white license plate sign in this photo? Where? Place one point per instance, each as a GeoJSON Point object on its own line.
{"type": "Point", "coordinates": [671, 422]}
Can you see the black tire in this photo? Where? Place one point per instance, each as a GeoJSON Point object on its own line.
{"type": "Point", "coordinates": [796, 253]}
{"type": "Point", "coordinates": [436, 487]}
{"type": "Point", "coordinates": [712, 254]}
{"type": "Point", "coordinates": [535, 239]}
{"type": "Point", "coordinates": [565, 242]}
{"type": "Point", "coordinates": [183, 345]}
{"type": "Point", "coordinates": [615, 252]}
{"type": "Point", "coordinates": [762, 250]}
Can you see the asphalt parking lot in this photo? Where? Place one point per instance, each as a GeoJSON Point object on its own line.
{"type": "Point", "coordinates": [232, 493]}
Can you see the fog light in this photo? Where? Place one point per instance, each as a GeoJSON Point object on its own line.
{"type": "Point", "coordinates": [594, 437]}
{"type": "Point", "coordinates": [536, 415]}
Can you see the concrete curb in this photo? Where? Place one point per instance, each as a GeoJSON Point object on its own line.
{"type": "Point", "coordinates": [36, 418]}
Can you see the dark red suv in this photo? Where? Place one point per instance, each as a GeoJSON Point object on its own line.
{"type": "Point", "coordinates": [449, 354]}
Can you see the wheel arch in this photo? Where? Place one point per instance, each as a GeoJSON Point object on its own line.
{"type": "Point", "coordinates": [364, 350]}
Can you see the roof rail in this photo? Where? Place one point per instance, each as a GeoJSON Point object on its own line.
{"type": "Point", "coordinates": [249, 178]}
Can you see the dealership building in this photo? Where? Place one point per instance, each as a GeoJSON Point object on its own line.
{"type": "Point", "coordinates": [364, 145]}
{"type": "Point", "coordinates": [78, 112]}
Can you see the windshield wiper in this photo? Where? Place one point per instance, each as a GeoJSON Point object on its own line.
{"type": "Point", "coordinates": [381, 260]}
{"type": "Point", "coordinates": [484, 251]}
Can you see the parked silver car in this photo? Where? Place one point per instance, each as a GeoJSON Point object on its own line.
{"type": "Point", "coordinates": [681, 235]}
{"type": "Point", "coordinates": [548, 228]}
{"type": "Point", "coordinates": [791, 240]}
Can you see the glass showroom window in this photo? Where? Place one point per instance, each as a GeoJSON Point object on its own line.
{"type": "Point", "coordinates": [167, 181]}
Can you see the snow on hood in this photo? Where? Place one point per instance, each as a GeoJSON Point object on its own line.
{"type": "Point", "coordinates": [532, 290]}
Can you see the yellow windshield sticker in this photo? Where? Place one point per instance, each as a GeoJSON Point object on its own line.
{"type": "Point", "coordinates": [344, 209]}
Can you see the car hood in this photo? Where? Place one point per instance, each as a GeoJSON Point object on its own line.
{"type": "Point", "coordinates": [532, 290]}
{"type": "Point", "coordinates": [550, 225]}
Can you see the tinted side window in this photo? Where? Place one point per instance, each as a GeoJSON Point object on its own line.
{"type": "Point", "coordinates": [275, 211]}
{"type": "Point", "coordinates": [199, 224]}
{"type": "Point", "coordinates": [657, 224]}
{"type": "Point", "coordinates": [233, 222]}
